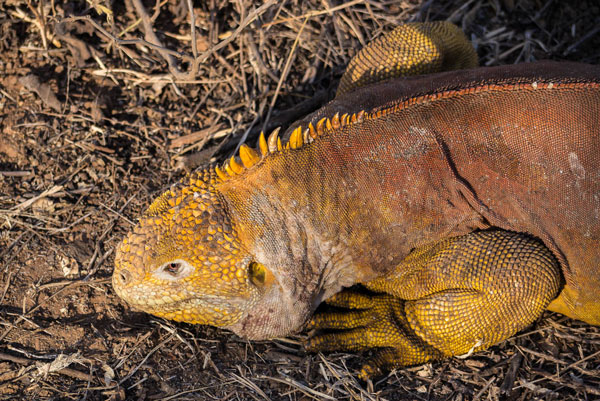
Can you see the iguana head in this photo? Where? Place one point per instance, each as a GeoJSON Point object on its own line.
{"type": "Point", "coordinates": [185, 261]}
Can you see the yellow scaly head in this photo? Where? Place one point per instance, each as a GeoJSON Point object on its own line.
{"type": "Point", "coordinates": [183, 261]}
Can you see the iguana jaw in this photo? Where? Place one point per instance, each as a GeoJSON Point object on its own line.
{"type": "Point", "coordinates": [195, 298]}
{"type": "Point", "coordinates": [192, 309]}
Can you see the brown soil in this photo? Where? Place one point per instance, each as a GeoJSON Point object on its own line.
{"type": "Point", "coordinates": [96, 122]}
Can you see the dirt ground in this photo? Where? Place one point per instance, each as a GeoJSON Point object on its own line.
{"type": "Point", "coordinates": [104, 104]}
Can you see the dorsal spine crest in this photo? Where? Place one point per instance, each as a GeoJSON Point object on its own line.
{"type": "Point", "coordinates": [300, 137]}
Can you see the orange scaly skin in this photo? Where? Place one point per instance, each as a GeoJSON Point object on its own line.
{"type": "Point", "coordinates": [376, 195]}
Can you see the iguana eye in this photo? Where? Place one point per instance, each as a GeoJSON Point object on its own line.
{"type": "Point", "coordinates": [174, 270]}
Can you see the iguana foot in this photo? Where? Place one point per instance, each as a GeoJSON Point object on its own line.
{"type": "Point", "coordinates": [370, 322]}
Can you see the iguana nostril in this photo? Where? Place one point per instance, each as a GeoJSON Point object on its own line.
{"type": "Point", "coordinates": [125, 277]}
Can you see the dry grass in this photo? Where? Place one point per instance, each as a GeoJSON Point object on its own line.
{"type": "Point", "coordinates": [101, 107]}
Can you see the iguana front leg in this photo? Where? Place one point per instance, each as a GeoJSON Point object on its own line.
{"type": "Point", "coordinates": [463, 294]}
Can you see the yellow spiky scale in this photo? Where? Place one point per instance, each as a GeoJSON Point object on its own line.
{"type": "Point", "coordinates": [320, 124]}
{"type": "Point", "coordinates": [228, 170]}
{"type": "Point", "coordinates": [335, 121]}
{"type": "Point", "coordinates": [262, 144]}
{"type": "Point", "coordinates": [344, 119]}
{"type": "Point", "coordinates": [306, 138]}
{"type": "Point", "coordinates": [273, 141]}
{"type": "Point", "coordinates": [248, 156]}
{"type": "Point", "coordinates": [235, 166]}
{"type": "Point", "coordinates": [312, 131]}
{"type": "Point", "coordinates": [296, 138]}
{"type": "Point", "coordinates": [222, 175]}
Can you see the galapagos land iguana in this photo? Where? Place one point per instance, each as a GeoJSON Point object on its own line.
{"type": "Point", "coordinates": [468, 200]}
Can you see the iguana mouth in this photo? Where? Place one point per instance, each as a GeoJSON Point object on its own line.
{"type": "Point", "coordinates": [206, 309]}
{"type": "Point", "coordinates": [168, 304]}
